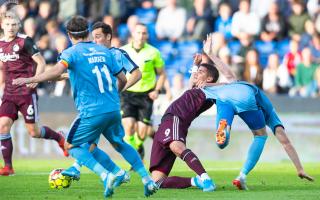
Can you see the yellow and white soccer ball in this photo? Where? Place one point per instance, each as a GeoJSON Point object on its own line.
{"type": "Point", "coordinates": [57, 180]}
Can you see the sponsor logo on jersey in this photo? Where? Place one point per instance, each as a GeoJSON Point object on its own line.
{"type": "Point", "coordinates": [4, 57]}
{"type": "Point", "coordinates": [15, 47]}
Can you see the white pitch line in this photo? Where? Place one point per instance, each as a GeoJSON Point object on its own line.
{"type": "Point", "coordinates": [175, 170]}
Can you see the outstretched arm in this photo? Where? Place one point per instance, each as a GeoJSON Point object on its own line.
{"type": "Point", "coordinates": [292, 153]}
{"type": "Point", "coordinates": [134, 78]}
{"type": "Point", "coordinates": [48, 75]}
{"type": "Point", "coordinates": [222, 67]}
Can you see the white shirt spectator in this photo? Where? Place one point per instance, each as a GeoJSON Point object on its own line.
{"type": "Point", "coordinates": [269, 79]}
{"type": "Point", "coordinates": [245, 23]}
{"type": "Point", "coordinates": [313, 7]}
{"type": "Point", "coordinates": [167, 26]}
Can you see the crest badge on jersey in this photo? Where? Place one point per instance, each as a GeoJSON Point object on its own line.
{"type": "Point", "coordinates": [15, 47]}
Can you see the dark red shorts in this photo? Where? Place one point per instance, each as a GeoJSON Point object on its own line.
{"type": "Point", "coordinates": [170, 129]}
{"type": "Point", "coordinates": [26, 104]}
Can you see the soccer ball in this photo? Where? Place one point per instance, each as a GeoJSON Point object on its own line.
{"type": "Point", "coordinates": [57, 180]}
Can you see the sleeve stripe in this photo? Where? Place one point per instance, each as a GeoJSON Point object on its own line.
{"type": "Point", "coordinates": [64, 63]}
{"type": "Point", "coordinates": [116, 74]}
{"type": "Point", "coordinates": [133, 69]}
{"type": "Point", "coordinates": [128, 57]}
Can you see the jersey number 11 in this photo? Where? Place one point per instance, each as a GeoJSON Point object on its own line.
{"type": "Point", "coordinates": [106, 72]}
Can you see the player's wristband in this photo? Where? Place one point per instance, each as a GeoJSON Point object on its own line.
{"type": "Point", "coordinates": [193, 69]}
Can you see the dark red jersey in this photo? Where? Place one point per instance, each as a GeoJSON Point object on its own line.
{"type": "Point", "coordinates": [16, 57]}
{"type": "Point", "coordinates": [189, 106]}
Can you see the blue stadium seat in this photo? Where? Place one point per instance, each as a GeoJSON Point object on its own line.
{"type": "Point", "coordinates": [283, 47]}
{"type": "Point", "coordinates": [166, 48]}
{"type": "Point", "coordinates": [152, 33]}
{"type": "Point", "coordinates": [186, 49]}
{"type": "Point", "coordinates": [123, 32]}
{"type": "Point", "coordinates": [185, 53]}
{"type": "Point", "coordinates": [264, 49]}
{"type": "Point", "coordinates": [234, 47]}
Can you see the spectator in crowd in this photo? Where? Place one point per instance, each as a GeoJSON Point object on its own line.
{"type": "Point", "coordinates": [108, 19]}
{"type": "Point", "coordinates": [245, 22]}
{"type": "Point", "coordinates": [273, 25]}
{"type": "Point", "coordinates": [178, 86]}
{"type": "Point", "coordinates": [49, 54]}
{"type": "Point", "coordinates": [147, 13]}
{"type": "Point", "coordinates": [306, 37]}
{"type": "Point", "coordinates": [246, 44]}
{"type": "Point", "coordinates": [30, 28]}
{"type": "Point", "coordinates": [297, 19]}
{"type": "Point", "coordinates": [166, 27]}
{"type": "Point", "coordinates": [52, 28]}
{"type": "Point", "coordinates": [67, 9]}
{"type": "Point", "coordinates": [314, 46]}
{"type": "Point", "coordinates": [22, 12]}
{"type": "Point", "coordinates": [50, 57]}
{"type": "Point", "coordinates": [261, 7]}
{"type": "Point", "coordinates": [219, 43]}
{"type": "Point", "coordinates": [61, 87]}
{"type": "Point", "coordinates": [32, 8]}
{"type": "Point", "coordinates": [120, 9]}
{"type": "Point", "coordinates": [270, 75]}
{"type": "Point", "coordinates": [125, 30]}
{"type": "Point", "coordinates": [318, 80]}
{"type": "Point", "coordinates": [305, 77]}
{"type": "Point", "coordinates": [224, 20]}
{"type": "Point", "coordinates": [292, 58]}
{"type": "Point", "coordinates": [313, 7]}
{"type": "Point", "coordinates": [225, 56]}
{"type": "Point", "coordinates": [43, 17]}
{"type": "Point", "coordinates": [200, 20]}
{"type": "Point", "coordinates": [252, 69]}
{"type": "Point", "coordinates": [317, 23]}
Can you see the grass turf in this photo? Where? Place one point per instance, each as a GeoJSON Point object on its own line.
{"type": "Point", "coordinates": [267, 181]}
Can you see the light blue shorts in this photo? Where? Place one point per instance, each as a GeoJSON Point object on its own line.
{"type": "Point", "coordinates": [88, 130]}
{"type": "Point", "coordinates": [253, 118]}
{"type": "Point", "coordinates": [270, 114]}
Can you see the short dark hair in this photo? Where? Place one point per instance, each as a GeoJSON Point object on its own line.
{"type": "Point", "coordinates": [141, 24]}
{"type": "Point", "coordinates": [106, 28]}
{"type": "Point", "coordinates": [78, 28]}
{"type": "Point", "coordinates": [212, 70]}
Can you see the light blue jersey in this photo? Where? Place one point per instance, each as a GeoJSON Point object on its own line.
{"type": "Point", "coordinates": [123, 59]}
{"type": "Point", "coordinates": [92, 73]}
{"type": "Point", "coordinates": [237, 94]}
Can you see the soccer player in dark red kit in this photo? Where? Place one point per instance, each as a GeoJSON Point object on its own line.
{"type": "Point", "coordinates": [170, 140]}
{"type": "Point", "coordinates": [19, 57]}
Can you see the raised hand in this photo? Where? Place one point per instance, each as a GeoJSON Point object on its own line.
{"type": "Point", "coordinates": [197, 58]}
{"type": "Point", "coordinates": [207, 44]}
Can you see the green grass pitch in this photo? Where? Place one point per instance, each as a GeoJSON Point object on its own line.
{"type": "Point", "coordinates": [268, 181]}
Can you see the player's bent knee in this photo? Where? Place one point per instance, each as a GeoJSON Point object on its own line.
{"type": "Point", "coordinates": [177, 147]}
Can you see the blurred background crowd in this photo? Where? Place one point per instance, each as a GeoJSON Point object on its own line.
{"type": "Point", "coordinates": [274, 44]}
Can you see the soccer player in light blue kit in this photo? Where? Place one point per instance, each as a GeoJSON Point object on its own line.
{"type": "Point", "coordinates": [102, 35]}
{"type": "Point", "coordinates": [253, 107]}
{"type": "Point", "coordinates": [94, 75]}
